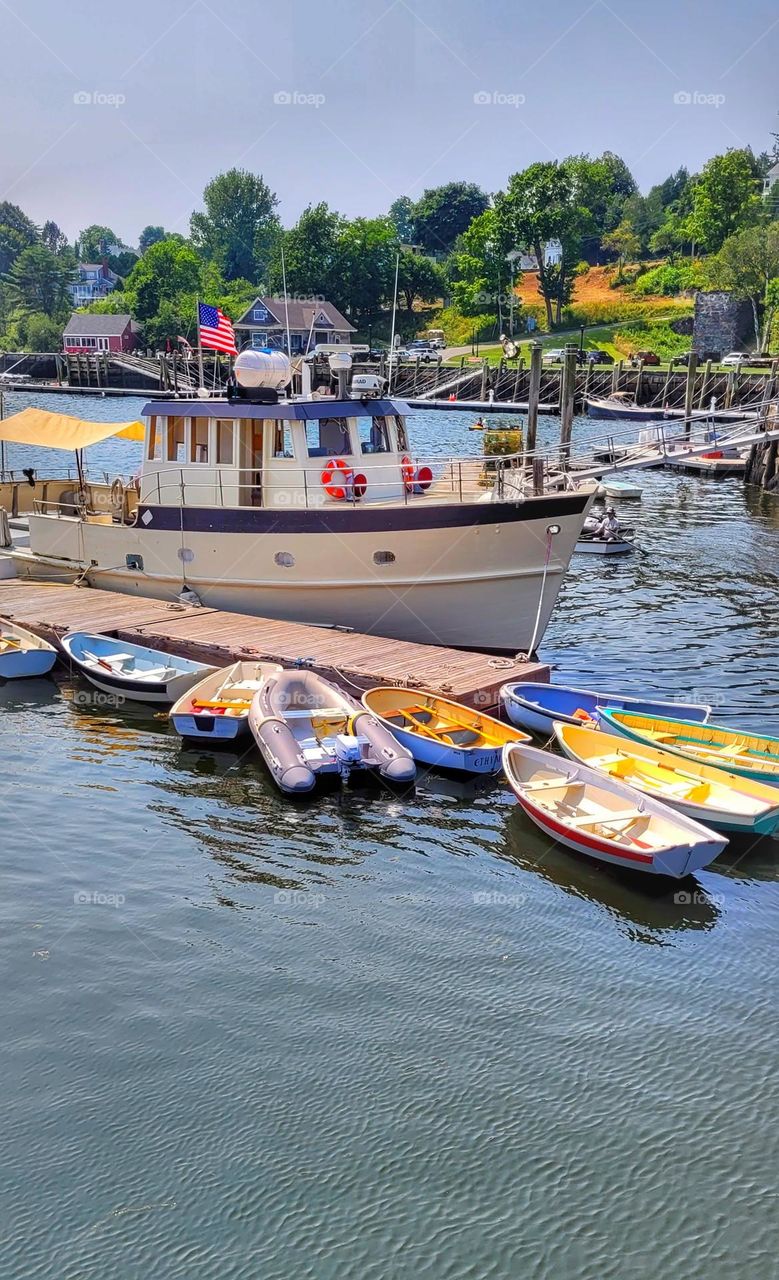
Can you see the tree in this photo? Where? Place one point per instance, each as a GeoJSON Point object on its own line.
{"type": "Point", "coordinates": [539, 205]}
{"type": "Point", "coordinates": [168, 270]}
{"type": "Point", "coordinates": [624, 242]}
{"type": "Point", "coordinates": [94, 243]}
{"type": "Point", "coordinates": [725, 198]}
{"type": "Point", "coordinates": [601, 186]}
{"type": "Point", "coordinates": [668, 239]}
{"type": "Point", "coordinates": [53, 237]}
{"type": "Point", "coordinates": [239, 227]}
{"type": "Point", "coordinates": [478, 268]}
{"type": "Point", "coordinates": [366, 263]}
{"type": "Point", "coordinates": [419, 278]}
{"type": "Point", "coordinates": [149, 236]}
{"type": "Point", "coordinates": [748, 264]}
{"type": "Point", "coordinates": [17, 233]}
{"type": "Point", "coordinates": [123, 263]}
{"type": "Point", "coordinates": [444, 213]}
{"type": "Point", "coordinates": [401, 214]}
{"type": "Point", "coordinates": [38, 281]}
{"type": "Point", "coordinates": [311, 257]}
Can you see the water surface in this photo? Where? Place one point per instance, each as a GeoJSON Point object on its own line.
{"type": "Point", "coordinates": [381, 1036]}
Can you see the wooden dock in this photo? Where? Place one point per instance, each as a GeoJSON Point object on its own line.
{"type": "Point", "coordinates": [355, 660]}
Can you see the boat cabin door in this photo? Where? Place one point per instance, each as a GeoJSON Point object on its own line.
{"type": "Point", "coordinates": [251, 477]}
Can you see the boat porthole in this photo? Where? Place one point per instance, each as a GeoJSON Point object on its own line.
{"type": "Point", "coordinates": [185, 555]}
{"type": "Point", "coordinates": [384, 557]}
{"type": "Point", "coordinates": [285, 559]}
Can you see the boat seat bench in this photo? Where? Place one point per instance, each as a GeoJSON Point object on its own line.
{"type": "Point", "coordinates": [607, 819]}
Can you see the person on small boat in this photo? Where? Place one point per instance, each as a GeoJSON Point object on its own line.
{"type": "Point", "coordinates": [478, 424]}
{"type": "Point", "coordinates": [609, 527]}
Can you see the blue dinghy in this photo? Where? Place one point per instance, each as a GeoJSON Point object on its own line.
{"type": "Point", "coordinates": [536, 706]}
{"type": "Point", "coordinates": [22, 653]}
{"type": "Point", "coordinates": [131, 670]}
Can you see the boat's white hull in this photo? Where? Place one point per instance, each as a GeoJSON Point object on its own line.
{"type": "Point", "coordinates": [468, 585]}
{"type": "Point", "coordinates": [599, 547]}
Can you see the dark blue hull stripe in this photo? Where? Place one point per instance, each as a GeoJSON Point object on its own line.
{"type": "Point", "coordinates": [359, 519]}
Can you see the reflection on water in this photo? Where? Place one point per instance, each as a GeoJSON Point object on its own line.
{"type": "Point", "coordinates": [414, 1012]}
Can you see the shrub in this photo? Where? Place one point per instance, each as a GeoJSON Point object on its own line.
{"type": "Point", "coordinates": [657, 337]}
{"type": "Point", "coordinates": [669, 281]}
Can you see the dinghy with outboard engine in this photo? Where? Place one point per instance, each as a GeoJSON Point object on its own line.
{"type": "Point", "coordinates": [305, 727]}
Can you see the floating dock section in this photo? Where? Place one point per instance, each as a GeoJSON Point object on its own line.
{"type": "Point", "coordinates": [354, 660]}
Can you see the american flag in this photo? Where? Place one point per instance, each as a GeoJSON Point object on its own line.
{"type": "Point", "coordinates": [216, 331]}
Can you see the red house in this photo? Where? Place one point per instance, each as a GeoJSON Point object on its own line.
{"type": "Point", "coordinates": [85, 333]}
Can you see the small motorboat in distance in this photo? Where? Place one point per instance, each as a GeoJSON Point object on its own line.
{"type": "Point", "coordinates": [131, 670]}
{"type": "Point", "coordinates": [218, 707]}
{"type": "Point", "coordinates": [603, 818]}
{"type": "Point", "coordinates": [536, 706]}
{"type": "Point", "coordinates": [750, 755]}
{"type": "Point", "coordinates": [723, 801]}
{"type": "Point", "coordinates": [589, 544]}
{"type": "Point", "coordinates": [305, 726]}
{"type": "Point", "coordinates": [442, 733]}
{"type": "Point", "coordinates": [22, 653]}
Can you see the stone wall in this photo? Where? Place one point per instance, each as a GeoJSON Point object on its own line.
{"type": "Point", "coordinates": [722, 323]}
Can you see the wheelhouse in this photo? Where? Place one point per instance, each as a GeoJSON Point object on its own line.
{"type": "Point", "coordinates": [275, 455]}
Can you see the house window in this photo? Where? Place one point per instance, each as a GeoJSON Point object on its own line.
{"type": "Point", "coordinates": [199, 440]}
{"type": "Point", "coordinates": [225, 438]}
{"type": "Point", "coordinates": [259, 340]}
{"type": "Point", "coordinates": [175, 440]}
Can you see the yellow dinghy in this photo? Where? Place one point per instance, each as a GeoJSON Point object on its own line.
{"type": "Point", "coordinates": [750, 755]}
{"type": "Point", "coordinates": [442, 733]}
{"type": "Point", "coordinates": [721, 800]}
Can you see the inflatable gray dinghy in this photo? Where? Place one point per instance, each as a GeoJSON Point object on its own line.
{"type": "Point", "coordinates": [304, 726]}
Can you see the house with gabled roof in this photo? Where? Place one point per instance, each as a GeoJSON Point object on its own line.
{"type": "Point", "coordinates": [311, 321]}
{"type": "Point", "coordinates": [84, 333]}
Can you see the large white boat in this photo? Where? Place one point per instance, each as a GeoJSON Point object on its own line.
{"type": "Point", "coordinates": [316, 509]}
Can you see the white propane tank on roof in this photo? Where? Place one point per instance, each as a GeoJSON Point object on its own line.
{"type": "Point", "coordinates": [263, 368]}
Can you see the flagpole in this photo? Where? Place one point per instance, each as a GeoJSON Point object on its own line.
{"type": "Point", "coordinates": [286, 299]}
{"type": "Point", "coordinates": [202, 383]}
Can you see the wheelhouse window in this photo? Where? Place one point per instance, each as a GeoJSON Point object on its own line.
{"type": "Point", "coordinates": [282, 440]}
{"type": "Point", "coordinates": [198, 440]}
{"type": "Point", "coordinates": [402, 437]}
{"type": "Point", "coordinates": [175, 451]}
{"type": "Point", "coordinates": [225, 442]}
{"type": "Point", "coordinates": [154, 448]}
{"type": "Point", "coordinates": [374, 435]}
{"type": "Point", "coordinates": [332, 438]}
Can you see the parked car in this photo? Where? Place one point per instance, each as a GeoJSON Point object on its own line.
{"type": "Point", "coordinates": [734, 358]}
{"type": "Point", "coordinates": [553, 355]}
{"type": "Point", "coordinates": [598, 357]}
{"type": "Point", "coordinates": [682, 359]}
{"type": "Point", "coordinates": [423, 351]}
{"type": "Point", "coordinates": [644, 357]}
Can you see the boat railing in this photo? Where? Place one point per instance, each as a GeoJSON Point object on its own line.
{"type": "Point", "coordinates": [358, 482]}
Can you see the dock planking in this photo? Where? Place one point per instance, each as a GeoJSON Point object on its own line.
{"type": "Point", "coordinates": [219, 637]}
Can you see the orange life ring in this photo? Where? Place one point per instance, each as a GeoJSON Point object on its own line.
{"type": "Point", "coordinates": [407, 471]}
{"type": "Point", "coordinates": [423, 478]}
{"type": "Point", "coordinates": [336, 470]}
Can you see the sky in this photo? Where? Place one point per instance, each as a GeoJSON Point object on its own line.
{"type": "Point", "coordinates": [121, 114]}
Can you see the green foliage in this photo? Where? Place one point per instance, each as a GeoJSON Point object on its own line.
{"type": "Point", "coordinates": [123, 263]}
{"type": "Point", "coordinates": [17, 233]}
{"type": "Point", "coordinates": [401, 215]}
{"type": "Point", "coordinates": [53, 238]}
{"type": "Point", "coordinates": [459, 329]}
{"type": "Point", "coordinates": [748, 264]}
{"type": "Point", "coordinates": [420, 279]}
{"type": "Point", "coordinates": [624, 242]}
{"type": "Point", "coordinates": [542, 203]}
{"type": "Point", "coordinates": [444, 213]}
{"type": "Point", "coordinates": [660, 338]}
{"type": "Point", "coordinates": [602, 185]}
{"type": "Point", "coordinates": [239, 227]}
{"type": "Point", "coordinates": [668, 280]}
{"type": "Point", "coordinates": [149, 236]}
{"type": "Point", "coordinates": [311, 254]}
{"type": "Point", "coordinates": [166, 271]}
{"type": "Point", "coordinates": [31, 331]}
{"type": "Point", "coordinates": [725, 198]}
{"type": "Point", "coordinates": [116, 303]}
{"type": "Point", "coordinates": [93, 241]}
{"type": "Point", "coordinates": [479, 272]}
{"type": "Point", "coordinates": [38, 281]}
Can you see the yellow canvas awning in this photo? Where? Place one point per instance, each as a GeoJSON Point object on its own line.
{"type": "Point", "coordinates": [58, 431]}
